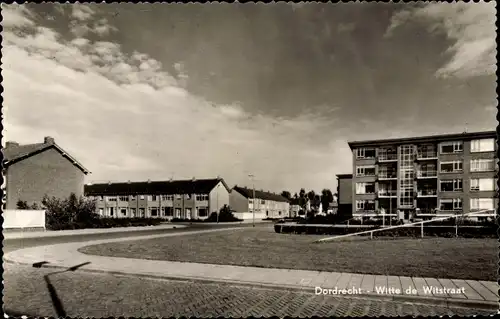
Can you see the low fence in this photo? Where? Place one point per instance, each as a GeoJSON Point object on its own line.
{"type": "Point", "coordinates": [23, 219]}
{"type": "Point", "coordinates": [477, 231]}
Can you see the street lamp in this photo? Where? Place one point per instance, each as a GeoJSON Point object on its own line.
{"type": "Point", "coordinates": [253, 200]}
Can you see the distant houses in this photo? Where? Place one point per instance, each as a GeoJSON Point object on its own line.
{"type": "Point", "coordinates": [32, 171]}
{"type": "Point", "coordinates": [244, 200]}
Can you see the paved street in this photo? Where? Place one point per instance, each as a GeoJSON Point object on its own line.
{"type": "Point", "coordinates": [101, 295]}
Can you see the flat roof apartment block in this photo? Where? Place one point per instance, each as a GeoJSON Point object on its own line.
{"type": "Point", "coordinates": [426, 176]}
{"type": "Point", "coordinates": [187, 199]}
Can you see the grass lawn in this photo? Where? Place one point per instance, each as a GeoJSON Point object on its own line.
{"type": "Point", "coordinates": [456, 258]}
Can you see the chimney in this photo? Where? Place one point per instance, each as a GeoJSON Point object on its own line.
{"type": "Point", "coordinates": [194, 178]}
{"type": "Point", "coordinates": [149, 181]}
{"type": "Point", "coordinates": [48, 140]}
{"type": "Point", "coordinates": [128, 181]}
{"type": "Point", "coordinates": [11, 144]}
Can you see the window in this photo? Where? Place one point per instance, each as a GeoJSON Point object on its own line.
{"type": "Point", "coordinates": [154, 211]}
{"type": "Point", "coordinates": [123, 211]}
{"type": "Point", "coordinates": [482, 184]}
{"type": "Point", "coordinates": [123, 198]}
{"type": "Point", "coordinates": [132, 197]}
{"type": "Point", "coordinates": [365, 171]}
{"type": "Point", "coordinates": [450, 167]}
{"type": "Point", "coordinates": [365, 153]}
{"type": "Point", "coordinates": [178, 196]}
{"type": "Point", "coordinates": [482, 145]}
{"type": "Point", "coordinates": [262, 202]}
{"type": "Point", "coordinates": [153, 198]}
{"type": "Point", "coordinates": [101, 211]}
{"type": "Point", "coordinates": [203, 197]}
{"type": "Point", "coordinates": [168, 211]}
{"type": "Point", "coordinates": [202, 212]}
{"type": "Point", "coordinates": [450, 204]}
{"type": "Point", "coordinates": [101, 197]}
{"type": "Point", "coordinates": [112, 199]}
{"type": "Point", "coordinates": [451, 185]}
{"type": "Point", "coordinates": [365, 205]}
{"type": "Point", "coordinates": [133, 212]}
{"type": "Point", "coordinates": [142, 197]}
{"type": "Point", "coordinates": [482, 165]}
{"type": "Point", "coordinates": [279, 213]}
{"type": "Point", "coordinates": [188, 196]}
{"type": "Point", "coordinates": [482, 204]}
{"type": "Point", "coordinates": [167, 197]}
{"type": "Point", "coordinates": [142, 212]}
{"type": "Point", "coordinates": [177, 212]}
{"type": "Point", "coordinates": [452, 147]}
{"type": "Point", "coordinates": [365, 188]}
{"type": "Point", "coordinates": [111, 211]}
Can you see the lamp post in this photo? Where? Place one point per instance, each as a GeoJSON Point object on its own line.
{"type": "Point", "coordinates": [253, 200]}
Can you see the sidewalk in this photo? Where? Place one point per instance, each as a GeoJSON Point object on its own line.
{"type": "Point", "coordinates": [55, 233]}
{"type": "Point", "coordinates": [475, 294]}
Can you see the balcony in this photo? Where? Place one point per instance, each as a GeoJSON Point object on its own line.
{"type": "Point", "coordinates": [387, 176]}
{"type": "Point", "coordinates": [427, 193]}
{"type": "Point", "coordinates": [387, 193]}
{"type": "Point", "coordinates": [427, 155]}
{"type": "Point", "coordinates": [427, 174]}
{"type": "Point", "coordinates": [387, 158]}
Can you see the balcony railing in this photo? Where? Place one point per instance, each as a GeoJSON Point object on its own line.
{"type": "Point", "coordinates": [387, 193]}
{"type": "Point", "coordinates": [427, 155]}
{"type": "Point", "coordinates": [387, 157]}
{"type": "Point", "coordinates": [428, 173]}
{"type": "Point", "coordinates": [387, 176]}
{"type": "Point", "coordinates": [427, 192]}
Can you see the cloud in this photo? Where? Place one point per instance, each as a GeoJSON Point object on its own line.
{"type": "Point", "coordinates": [472, 28]}
{"type": "Point", "coordinates": [124, 117]}
{"type": "Point", "coordinates": [82, 12]}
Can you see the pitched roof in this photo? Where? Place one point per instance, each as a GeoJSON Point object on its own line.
{"type": "Point", "coordinates": [15, 153]}
{"type": "Point", "coordinates": [248, 193]}
{"type": "Point", "coordinates": [200, 186]}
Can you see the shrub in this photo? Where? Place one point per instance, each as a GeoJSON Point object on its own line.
{"type": "Point", "coordinates": [22, 204]}
{"type": "Point", "coordinates": [225, 215]}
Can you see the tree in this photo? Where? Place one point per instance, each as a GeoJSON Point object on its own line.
{"type": "Point", "coordinates": [302, 198]}
{"type": "Point", "coordinates": [326, 199]}
{"type": "Point", "coordinates": [286, 194]}
{"type": "Point", "coordinates": [311, 195]}
{"type": "Point", "coordinates": [295, 196]}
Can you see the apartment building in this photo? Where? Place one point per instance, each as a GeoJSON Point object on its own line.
{"type": "Point", "coordinates": [425, 176]}
{"type": "Point", "coordinates": [267, 204]}
{"type": "Point", "coordinates": [188, 199]}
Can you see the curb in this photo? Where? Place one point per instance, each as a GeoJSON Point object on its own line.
{"type": "Point", "coordinates": [438, 301]}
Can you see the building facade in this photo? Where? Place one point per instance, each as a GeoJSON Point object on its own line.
{"type": "Point", "coordinates": [267, 204]}
{"type": "Point", "coordinates": [186, 199]}
{"type": "Point", "coordinates": [425, 176]}
{"type": "Point", "coordinates": [32, 171]}
{"type": "Point", "coordinates": [344, 191]}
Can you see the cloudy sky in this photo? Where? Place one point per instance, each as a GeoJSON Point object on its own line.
{"type": "Point", "coordinates": [140, 92]}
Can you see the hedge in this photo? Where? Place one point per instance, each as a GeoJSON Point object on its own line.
{"type": "Point", "coordinates": [485, 231]}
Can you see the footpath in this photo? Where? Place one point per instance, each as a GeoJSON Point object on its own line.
{"type": "Point", "coordinates": [73, 232]}
{"type": "Point", "coordinates": [444, 292]}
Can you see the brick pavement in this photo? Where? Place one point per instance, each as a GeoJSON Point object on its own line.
{"type": "Point", "coordinates": [476, 293]}
{"type": "Point", "coordinates": [105, 295]}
